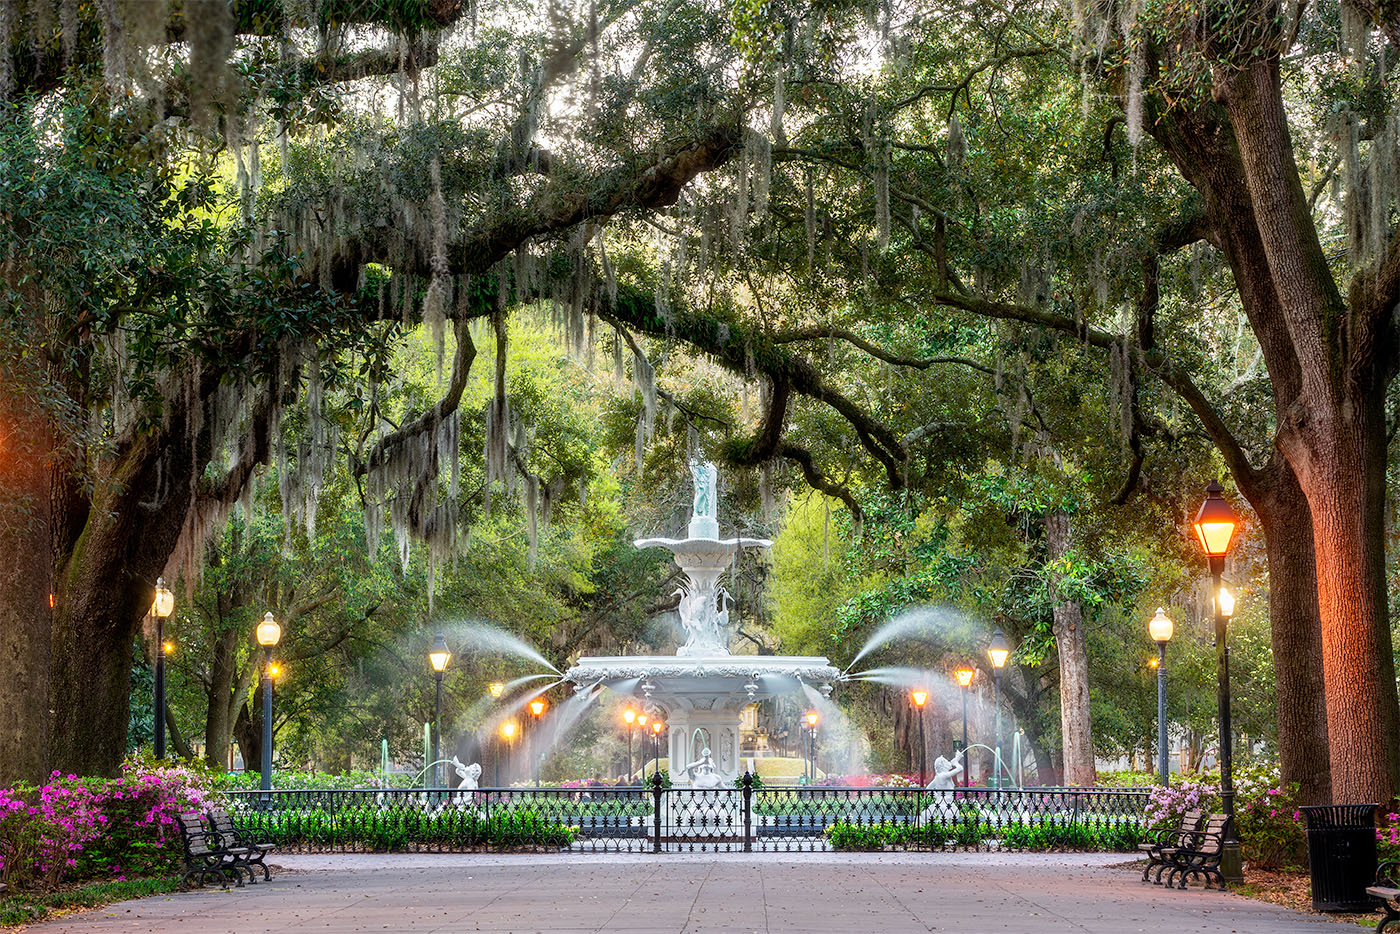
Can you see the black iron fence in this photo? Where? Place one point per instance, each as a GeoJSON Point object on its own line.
{"type": "Point", "coordinates": [658, 819]}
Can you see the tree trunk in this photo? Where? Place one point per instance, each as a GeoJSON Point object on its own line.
{"type": "Point", "coordinates": [1345, 485]}
{"type": "Point", "coordinates": [1296, 632]}
{"type": "Point", "coordinates": [218, 717]}
{"type": "Point", "coordinates": [26, 582]}
{"type": "Point", "coordinates": [247, 730]}
{"type": "Point", "coordinates": [110, 554]}
{"type": "Point", "coordinates": [1076, 728]}
{"type": "Point", "coordinates": [1335, 440]}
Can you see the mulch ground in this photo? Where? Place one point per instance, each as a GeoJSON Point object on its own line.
{"type": "Point", "coordinates": [1292, 889]}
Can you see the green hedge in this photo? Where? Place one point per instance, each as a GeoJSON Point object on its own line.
{"type": "Point", "coordinates": [373, 828]}
{"type": "Point", "coordinates": [1123, 836]}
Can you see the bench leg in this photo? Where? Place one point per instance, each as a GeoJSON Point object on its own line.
{"type": "Point", "coordinates": [1391, 916]}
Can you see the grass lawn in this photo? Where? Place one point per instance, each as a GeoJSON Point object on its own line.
{"type": "Point", "coordinates": [27, 907]}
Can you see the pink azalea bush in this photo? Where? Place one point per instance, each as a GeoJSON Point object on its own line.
{"type": "Point", "coordinates": [1388, 837]}
{"type": "Point", "coordinates": [71, 827]}
{"type": "Point", "coordinates": [1267, 818]}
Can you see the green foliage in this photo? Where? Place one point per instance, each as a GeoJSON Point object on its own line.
{"type": "Point", "coordinates": [1125, 779]}
{"type": "Point", "coordinates": [1121, 836]}
{"type": "Point", "coordinates": [28, 907]}
{"type": "Point", "coordinates": [379, 829]}
{"type": "Point", "coordinates": [1038, 837]}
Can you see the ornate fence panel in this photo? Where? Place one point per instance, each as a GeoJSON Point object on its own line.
{"type": "Point", "coordinates": [657, 819]}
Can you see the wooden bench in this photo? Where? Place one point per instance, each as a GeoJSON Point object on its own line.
{"type": "Point", "coordinates": [1388, 892]}
{"type": "Point", "coordinates": [205, 857]}
{"type": "Point", "coordinates": [1165, 837]}
{"type": "Point", "coordinates": [1197, 853]}
{"type": "Point", "coordinates": [238, 842]}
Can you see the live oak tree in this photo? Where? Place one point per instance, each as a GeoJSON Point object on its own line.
{"type": "Point", "coordinates": [623, 165]}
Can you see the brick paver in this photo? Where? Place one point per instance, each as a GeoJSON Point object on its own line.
{"type": "Point", "coordinates": [890, 893]}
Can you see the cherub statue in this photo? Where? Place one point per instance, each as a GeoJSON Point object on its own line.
{"type": "Point", "coordinates": [945, 771]}
{"type": "Point", "coordinates": [469, 774]}
{"type": "Point", "coordinates": [702, 771]}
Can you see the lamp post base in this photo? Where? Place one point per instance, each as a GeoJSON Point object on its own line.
{"type": "Point", "coordinates": [1232, 862]}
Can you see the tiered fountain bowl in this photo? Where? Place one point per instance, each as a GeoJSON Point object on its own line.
{"type": "Point", "coordinates": [701, 691]}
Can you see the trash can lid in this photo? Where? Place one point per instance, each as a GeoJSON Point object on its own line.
{"type": "Point", "coordinates": [1329, 816]}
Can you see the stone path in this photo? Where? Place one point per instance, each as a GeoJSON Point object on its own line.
{"type": "Point", "coordinates": [887, 893]}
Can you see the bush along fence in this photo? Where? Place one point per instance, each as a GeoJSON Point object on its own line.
{"type": "Point", "coordinates": [657, 818]}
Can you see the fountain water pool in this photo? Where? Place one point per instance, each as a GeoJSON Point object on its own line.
{"type": "Point", "coordinates": [701, 691]}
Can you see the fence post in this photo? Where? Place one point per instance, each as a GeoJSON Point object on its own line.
{"type": "Point", "coordinates": [656, 791]}
{"type": "Point", "coordinates": [746, 787]}
{"type": "Point", "coordinates": [332, 810]}
{"type": "Point", "coordinates": [1076, 808]}
{"type": "Point", "coordinates": [916, 835]}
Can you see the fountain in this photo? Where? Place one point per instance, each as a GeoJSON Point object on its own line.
{"type": "Point", "coordinates": [701, 691]}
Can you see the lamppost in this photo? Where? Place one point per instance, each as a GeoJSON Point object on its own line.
{"type": "Point", "coordinates": [656, 727]}
{"type": "Point", "coordinates": [812, 719]}
{"type": "Point", "coordinates": [508, 730]}
{"type": "Point", "coordinates": [495, 689]}
{"type": "Point", "coordinates": [1160, 628]}
{"type": "Point", "coordinates": [629, 716]}
{"type": "Point", "coordinates": [997, 651]}
{"type": "Point", "coordinates": [438, 657]}
{"type": "Point", "coordinates": [964, 679]}
{"type": "Point", "coordinates": [269, 633]}
{"type": "Point", "coordinates": [537, 708]}
{"type": "Point", "coordinates": [1215, 530]}
{"type": "Point", "coordinates": [161, 607]}
{"type": "Point", "coordinates": [920, 697]}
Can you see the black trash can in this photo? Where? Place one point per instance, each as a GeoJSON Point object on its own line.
{"type": "Point", "coordinates": [1341, 855]}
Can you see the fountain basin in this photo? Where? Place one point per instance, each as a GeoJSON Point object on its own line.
{"type": "Point", "coordinates": [700, 697]}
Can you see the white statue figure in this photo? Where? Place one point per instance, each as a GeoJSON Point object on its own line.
{"type": "Point", "coordinates": [945, 771]}
{"type": "Point", "coordinates": [469, 774]}
{"type": "Point", "coordinates": [702, 772]}
{"type": "Point", "coordinates": [945, 805]}
{"type": "Point", "coordinates": [704, 615]}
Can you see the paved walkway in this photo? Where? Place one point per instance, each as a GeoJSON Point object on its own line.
{"type": "Point", "coordinates": [887, 893]}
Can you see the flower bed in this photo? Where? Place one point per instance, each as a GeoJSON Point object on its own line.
{"type": "Point", "coordinates": [94, 828]}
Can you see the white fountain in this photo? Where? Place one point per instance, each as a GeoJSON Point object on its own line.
{"type": "Point", "coordinates": [701, 691]}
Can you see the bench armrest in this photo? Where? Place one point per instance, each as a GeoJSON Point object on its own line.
{"type": "Point", "coordinates": [1389, 871]}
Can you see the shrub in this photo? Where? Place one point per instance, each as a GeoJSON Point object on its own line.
{"type": "Point", "coordinates": [1115, 837]}
{"type": "Point", "coordinates": [95, 827]}
{"type": "Point", "coordinates": [370, 827]}
{"type": "Point", "coordinates": [1166, 806]}
{"type": "Point", "coordinates": [1126, 779]}
{"type": "Point", "coordinates": [1270, 829]}
{"type": "Point", "coordinates": [1388, 838]}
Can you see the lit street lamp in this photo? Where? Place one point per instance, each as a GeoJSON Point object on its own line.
{"type": "Point", "coordinates": [269, 633]}
{"type": "Point", "coordinates": [1215, 530]}
{"type": "Point", "coordinates": [656, 727]}
{"type": "Point", "coordinates": [920, 697]}
{"type": "Point", "coordinates": [508, 730]}
{"type": "Point", "coordinates": [1160, 628]}
{"type": "Point", "coordinates": [438, 657]}
{"type": "Point", "coordinates": [964, 678]}
{"type": "Point", "coordinates": [812, 720]}
{"type": "Point", "coordinates": [161, 607]}
{"type": "Point", "coordinates": [537, 708]}
{"type": "Point", "coordinates": [629, 716]}
{"type": "Point", "coordinates": [495, 689]}
{"type": "Point", "coordinates": [997, 652]}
